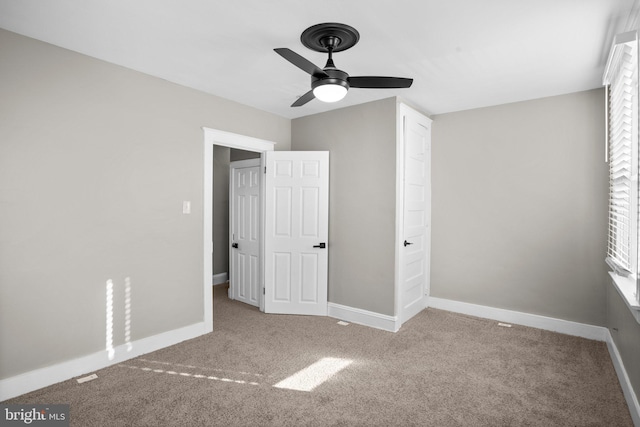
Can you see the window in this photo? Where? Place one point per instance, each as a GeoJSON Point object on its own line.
{"type": "Point", "coordinates": [621, 81]}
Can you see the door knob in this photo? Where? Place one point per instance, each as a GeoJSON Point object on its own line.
{"type": "Point", "coordinates": [407, 243]}
{"type": "Point", "coordinates": [321, 246]}
{"type": "Point", "coordinates": [235, 245]}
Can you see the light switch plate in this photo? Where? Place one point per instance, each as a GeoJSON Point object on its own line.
{"type": "Point", "coordinates": [186, 207]}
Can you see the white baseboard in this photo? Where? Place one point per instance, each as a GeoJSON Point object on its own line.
{"type": "Point", "coordinates": [43, 377]}
{"type": "Point", "coordinates": [220, 278]}
{"type": "Point", "coordinates": [363, 317]}
{"type": "Point", "coordinates": [625, 382]}
{"type": "Point", "coordinates": [591, 332]}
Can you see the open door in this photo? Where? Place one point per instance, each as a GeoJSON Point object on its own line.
{"type": "Point", "coordinates": [296, 232]}
{"type": "Point", "coordinates": [244, 231]}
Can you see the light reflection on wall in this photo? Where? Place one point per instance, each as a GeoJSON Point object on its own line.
{"type": "Point", "coordinates": [109, 335]}
{"type": "Point", "coordinates": [110, 349]}
{"type": "Point", "coordinates": [127, 313]}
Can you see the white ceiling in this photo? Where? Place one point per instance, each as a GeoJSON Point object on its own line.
{"type": "Point", "coordinates": [461, 54]}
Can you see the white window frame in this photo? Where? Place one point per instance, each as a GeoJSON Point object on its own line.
{"type": "Point", "coordinates": [621, 82]}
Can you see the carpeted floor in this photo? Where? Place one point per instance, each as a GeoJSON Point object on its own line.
{"type": "Point", "coordinates": [440, 369]}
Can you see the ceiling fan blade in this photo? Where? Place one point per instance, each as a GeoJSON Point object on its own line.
{"type": "Point", "coordinates": [304, 99]}
{"type": "Point", "coordinates": [301, 62]}
{"type": "Point", "coordinates": [372, 82]}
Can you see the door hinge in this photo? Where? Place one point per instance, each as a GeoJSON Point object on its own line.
{"type": "Point", "coordinates": [265, 169]}
{"type": "Point", "coordinates": [263, 291]}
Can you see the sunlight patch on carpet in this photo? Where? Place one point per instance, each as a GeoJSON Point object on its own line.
{"type": "Point", "coordinates": [188, 374]}
{"type": "Point", "coordinates": [313, 375]}
{"type": "Point", "coordinates": [201, 368]}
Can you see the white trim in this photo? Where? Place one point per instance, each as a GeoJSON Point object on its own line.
{"type": "Point", "coordinates": [43, 377]}
{"type": "Point", "coordinates": [226, 139]}
{"type": "Point", "coordinates": [220, 278]}
{"type": "Point", "coordinates": [263, 215]}
{"type": "Point", "coordinates": [363, 317]}
{"type": "Point", "coordinates": [399, 271]}
{"type": "Point", "coordinates": [626, 287]}
{"type": "Point", "coordinates": [625, 383]}
{"type": "Point", "coordinates": [234, 140]}
{"type": "Point", "coordinates": [619, 39]}
{"type": "Point", "coordinates": [591, 332]}
{"type": "Point", "coordinates": [606, 123]}
{"type": "Point", "coordinates": [207, 233]}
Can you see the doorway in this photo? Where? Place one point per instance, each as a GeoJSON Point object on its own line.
{"type": "Point", "coordinates": [222, 158]}
{"type": "Point", "coordinates": [213, 138]}
{"type": "Point", "coordinates": [294, 249]}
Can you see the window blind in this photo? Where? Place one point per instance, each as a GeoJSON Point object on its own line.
{"type": "Point", "coordinates": [622, 79]}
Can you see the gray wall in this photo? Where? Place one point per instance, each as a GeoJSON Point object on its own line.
{"type": "Point", "coordinates": [362, 145]}
{"type": "Point", "coordinates": [95, 161]}
{"type": "Point", "coordinates": [520, 207]}
{"type": "Point", "coordinates": [243, 155]}
{"type": "Point", "coordinates": [220, 212]}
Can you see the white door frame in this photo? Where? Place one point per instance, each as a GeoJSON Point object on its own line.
{"type": "Point", "coordinates": [226, 139]}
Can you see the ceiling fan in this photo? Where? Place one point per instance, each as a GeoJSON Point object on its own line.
{"type": "Point", "coordinates": [330, 84]}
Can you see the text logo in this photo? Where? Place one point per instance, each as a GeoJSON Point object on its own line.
{"type": "Point", "coordinates": [34, 415]}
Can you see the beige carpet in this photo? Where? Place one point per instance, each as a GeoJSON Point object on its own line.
{"type": "Point", "coordinates": [440, 369]}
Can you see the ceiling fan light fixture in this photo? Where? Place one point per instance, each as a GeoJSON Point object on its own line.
{"type": "Point", "coordinates": [330, 92]}
{"type": "Point", "coordinates": [331, 84]}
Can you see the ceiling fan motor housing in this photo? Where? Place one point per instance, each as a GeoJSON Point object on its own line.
{"type": "Point", "coordinates": [336, 77]}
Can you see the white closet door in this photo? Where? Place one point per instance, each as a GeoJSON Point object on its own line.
{"type": "Point", "coordinates": [416, 215]}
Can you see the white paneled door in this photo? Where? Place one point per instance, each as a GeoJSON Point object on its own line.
{"type": "Point", "coordinates": [296, 232]}
{"type": "Point", "coordinates": [416, 236]}
{"type": "Point", "coordinates": [244, 183]}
